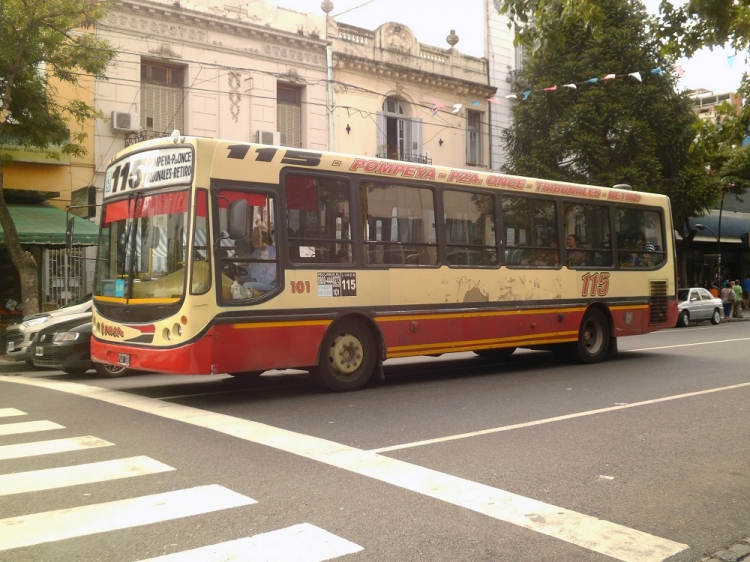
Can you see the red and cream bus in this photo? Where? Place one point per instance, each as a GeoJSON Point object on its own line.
{"type": "Point", "coordinates": [225, 257]}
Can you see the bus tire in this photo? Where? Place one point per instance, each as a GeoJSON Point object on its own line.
{"type": "Point", "coordinates": [348, 357]}
{"type": "Point", "coordinates": [593, 337]}
{"type": "Point", "coordinates": [497, 354]}
{"type": "Point", "coordinates": [111, 371]}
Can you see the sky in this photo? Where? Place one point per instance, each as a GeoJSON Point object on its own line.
{"type": "Point", "coordinates": [432, 21]}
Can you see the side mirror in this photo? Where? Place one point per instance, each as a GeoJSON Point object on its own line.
{"type": "Point", "coordinates": [69, 233]}
{"type": "Point", "coordinates": [238, 219]}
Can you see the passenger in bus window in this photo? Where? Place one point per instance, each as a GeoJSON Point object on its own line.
{"type": "Point", "coordinates": [261, 274]}
{"type": "Point", "coordinates": [575, 256]}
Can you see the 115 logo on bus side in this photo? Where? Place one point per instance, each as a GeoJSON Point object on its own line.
{"type": "Point", "coordinates": [595, 284]}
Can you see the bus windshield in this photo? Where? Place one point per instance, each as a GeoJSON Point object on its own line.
{"type": "Point", "coordinates": [142, 248]}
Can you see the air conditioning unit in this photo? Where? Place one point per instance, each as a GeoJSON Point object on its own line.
{"type": "Point", "coordinates": [128, 122]}
{"type": "Point", "coordinates": [268, 137]}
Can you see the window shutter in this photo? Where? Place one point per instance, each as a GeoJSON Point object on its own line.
{"type": "Point", "coordinates": [164, 106]}
{"type": "Point", "coordinates": [289, 123]}
{"type": "Point", "coordinates": [381, 147]}
{"type": "Point", "coordinates": [416, 137]}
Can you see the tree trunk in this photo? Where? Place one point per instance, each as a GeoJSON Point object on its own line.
{"type": "Point", "coordinates": [23, 260]}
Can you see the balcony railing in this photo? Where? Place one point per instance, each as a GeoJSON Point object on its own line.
{"type": "Point", "coordinates": [415, 158]}
{"type": "Point", "coordinates": [132, 138]}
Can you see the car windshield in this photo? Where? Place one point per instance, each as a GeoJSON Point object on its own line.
{"type": "Point", "coordinates": [682, 294]}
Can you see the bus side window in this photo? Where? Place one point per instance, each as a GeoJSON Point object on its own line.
{"type": "Point", "coordinates": [587, 234]}
{"type": "Point", "coordinates": [318, 220]}
{"type": "Point", "coordinates": [640, 239]}
{"type": "Point", "coordinates": [469, 222]}
{"type": "Point", "coordinates": [398, 225]}
{"type": "Point", "coordinates": [201, 274]}
{"type": "Point", "coordinates": [530, 226]}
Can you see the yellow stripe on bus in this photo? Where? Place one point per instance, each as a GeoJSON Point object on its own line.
{"type": "Point", "coordinates": [292, 324]}
{"type": "Point", "coordinates": [447, 315]}
{"type": "Point", "coordinates": [486, 343]}
{"type": "Point", "coordinates": [467, 346]}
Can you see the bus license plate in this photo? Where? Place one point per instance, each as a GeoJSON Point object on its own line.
{"type": "Point", "coordinates": [123, 359]}
{"type": "Point", "coordinates": [39, 351]}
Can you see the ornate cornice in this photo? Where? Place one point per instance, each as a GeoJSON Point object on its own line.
{"type": "Point", "coordinates": [182, 24]}
{"type": "Point", "coordinates": [398, 72]}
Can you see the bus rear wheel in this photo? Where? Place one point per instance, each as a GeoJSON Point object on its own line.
{"type": "Point", "coordinates": [348, 357]}
{"type": "Point", "coordinates": [593, 337]}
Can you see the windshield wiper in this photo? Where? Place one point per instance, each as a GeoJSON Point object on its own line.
{"type": "Point", "coordinates": [132, 239]}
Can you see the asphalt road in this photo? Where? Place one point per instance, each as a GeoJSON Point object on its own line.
{"type": "Point", "coordinates": [644, 457]}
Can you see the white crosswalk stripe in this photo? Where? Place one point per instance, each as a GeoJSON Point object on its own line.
{"type": "Point", "coordinates": [298, 543]}
{"type": "Point", "coordinates": [50, 478]}
{"type": "Point", "coordinates": [21, 450]}
{"type": "Point", "coordinates": [38, 528]}
{"type": "Point", "coordinates": [28, 427]}
{"type": "Point", "coordinates": [10, 412]}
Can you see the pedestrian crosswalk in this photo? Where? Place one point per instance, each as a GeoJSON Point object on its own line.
{"type": "Point", "coordinates": [302, 542]}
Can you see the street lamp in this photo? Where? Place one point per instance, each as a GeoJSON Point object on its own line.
{"type": "Point", "coordinates": [718, 250]}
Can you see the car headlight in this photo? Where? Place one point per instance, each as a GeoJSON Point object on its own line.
{"type": "Point", "coordinates": [36, 321]}
{"type": "Point", "coordinates": [65, 336]}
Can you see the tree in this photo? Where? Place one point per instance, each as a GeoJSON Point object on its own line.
{"type": "Point", "coordinates": [43, 42]}
{"type": "Point", "coordinates": [626, 130]}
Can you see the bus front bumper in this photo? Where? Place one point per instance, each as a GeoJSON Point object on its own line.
{"type": "Point", "coordinates": [191, 359]}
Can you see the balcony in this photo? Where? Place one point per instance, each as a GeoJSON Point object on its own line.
{"type": "Point", "coordinates": [415, 158]}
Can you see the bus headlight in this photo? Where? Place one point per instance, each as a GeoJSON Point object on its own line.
{"type": "Point", "coordinates": [166, 334]}
{"type": "Point", "coordinates": [177, 329]}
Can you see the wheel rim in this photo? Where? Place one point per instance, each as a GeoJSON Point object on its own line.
{"type": "Point", "coordinates": [346, 354]}
{"type": "Point", "coordinates": [684, 318]}
{"type": "Point", "coordinates": [592, 337]}
{"type": "Point", "coordinates": [114, 369]}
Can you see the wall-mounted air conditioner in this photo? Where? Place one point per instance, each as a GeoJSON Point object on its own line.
{"type": "Point", "coordinates": [128, 122]}
{"type": "Point", "coordinates": [268, 137]}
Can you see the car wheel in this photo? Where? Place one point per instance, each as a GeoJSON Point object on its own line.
{"type": "Point", "coordinates": [348, 357]}
{"type": "Point", "coordinates": [110, 371]}
{"type": "Point", "coordinates": [683, 319]}
{"type": "Point", "coordinates": [716, 317]}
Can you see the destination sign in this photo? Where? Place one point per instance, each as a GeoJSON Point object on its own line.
{"type": "Point", "coordinates": [151, 169]}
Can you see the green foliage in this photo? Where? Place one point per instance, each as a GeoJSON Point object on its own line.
{"type": "Point", "coordinates": [40, 40]}
{"type": "Point", "coordinates": [609, 132]}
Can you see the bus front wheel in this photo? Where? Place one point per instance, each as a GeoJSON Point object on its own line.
{"type": "Point", "coordinates": [110, 371]}
{"type": "Point", "coordinates": [348, 357]}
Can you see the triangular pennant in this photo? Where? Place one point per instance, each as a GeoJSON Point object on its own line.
{"type": "Point", "coordinates": [526, 94]}
{"type": "Point", "coordinates": [571, 86]}
{"type": "Point", "coordinates": [730, 59]}
{"type": "Point", "coordinates": [610, 77]}
{"type": "Point", "coordinates": [434, 110]}
{"type": "Point", "coordinates": [551, 88]}
{"type": "Point", "coordinates": [592, 80]}
{"type": "Point", "coordinates": [475, 103]}
{"type": "Point", "coordinates": [679, 71]}
{"type": "Point", "coordinates": [511, 97]}
{"type": "Point", "coordinates": [456, 108]}
{"type": "Point", "coordinates": [636, 75]}
{"type": "Point", "coordinates": [438, 104]}
{"type": "Point", "coordinates": [657, 71]}
{"type": "Point", "coordinates": [493, 99]}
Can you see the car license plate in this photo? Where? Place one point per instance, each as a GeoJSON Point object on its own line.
{"type": "Point", "coordinates": [39, 351]}
{"type": "Point", "coordinates": [11, 346]}
{"type": "Point", "coordinates": [123, 359]}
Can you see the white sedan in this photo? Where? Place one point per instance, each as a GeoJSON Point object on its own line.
{"type": "Point", "coordinates": [698, 304]}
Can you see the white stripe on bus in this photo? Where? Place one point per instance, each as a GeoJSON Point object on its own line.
{"type": "Point", "coordinates": [28, 427]}
{"type": "Point", "coordinates": [301, 543]}
{"type": "Point", "coordinates": [49, 526]}
{"type": "Point", "coordinates": [50, 478]}
{"type": "Point", "coordinates": [36, 448]}
{"type": "Point", "coordinates": [586, 531]}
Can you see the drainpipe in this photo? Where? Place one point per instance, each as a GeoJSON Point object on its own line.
{"type": "Point", "coordinates": [331, 130]}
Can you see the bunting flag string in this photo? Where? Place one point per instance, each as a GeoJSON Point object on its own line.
{"type": "Point", "coordinates": [456, 108]}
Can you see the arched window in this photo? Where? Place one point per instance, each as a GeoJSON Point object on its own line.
{"type": "Point", "coordinates": [399, 137]}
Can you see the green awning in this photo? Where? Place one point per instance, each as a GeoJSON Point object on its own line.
{"type": "Point", "coordinates": [45, 225]}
